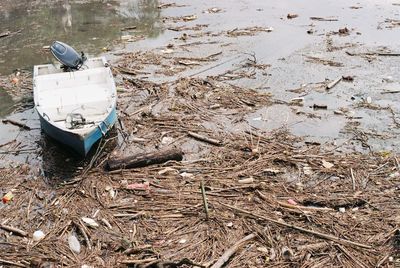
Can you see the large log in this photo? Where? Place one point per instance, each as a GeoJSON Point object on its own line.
{"type": "Point", "coordinates": [146, 159]}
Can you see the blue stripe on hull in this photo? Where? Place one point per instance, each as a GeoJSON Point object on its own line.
{"type": "Point", "coordinates": [100, 131]}
{"type": "Point", "coordinates": [80, 144]}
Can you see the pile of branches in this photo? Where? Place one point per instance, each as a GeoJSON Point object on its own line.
{"type": "Point", "coordinates": [240, 197]}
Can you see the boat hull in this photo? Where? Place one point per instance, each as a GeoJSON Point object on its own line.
{"type": "Point", "coordinates": [79, 143]}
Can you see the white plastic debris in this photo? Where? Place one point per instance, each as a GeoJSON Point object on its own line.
{"type": "Point", "coordinates": [74, 244]}
{"type": "Point", "coordinates": [388, 79]}
{"type": "Point", "coordinates": [307, 170]}
{"type": "Point", "coordinates": [111, 192]}
{"type": "Point", "coordinates": [167, 51]}
{"type": "Point", "coordinates": [327, 164]}
{"type": "Point", "coordinates": [186, 175]}
{"type": "Point", "coordinates": [247, 180]}
{"type": "Point", "coordinates": [90, 222]}
{"type": "Point", "coordinates": [297, 101]}
{"type": "Point", "coordinates": [272, 254]}
{"type": "Point", "coordinates": [229, 224]}
{"type": "Point", "coordinates": [167, 140]}
{"type": "Point", "coordinates": [38, 235]}
{"type": "Point", "coordinates": [182, 241]}
{"type": "Point", "coordinates": [342, 210]}
{"type": "Point", "coordinates": [369, 100]}
{"type": "Point", "coordinates": [263, 250]}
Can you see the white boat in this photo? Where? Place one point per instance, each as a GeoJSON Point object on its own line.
{"type": "Point", "coordinates": [76, 108]}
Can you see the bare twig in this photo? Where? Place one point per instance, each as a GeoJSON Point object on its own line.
{"type": "Point", "coordinates": [229, 253]}
{"type": "Point", "coordinates": [301, 229]}
{"type": "Point", "coordinates": [333, 83]}
{"type": "Point", "coordinates": [203, 193]}
{"type": "Point", "coordinates": [350, 256]}
{"type": "Point", "coordinates": [14, 230]}
{"type": "Point", "coordinates": [353, 179]}
{"type": "Point", "coordinates": [205, 139]}
{"type": "Point", "coordinates": [15, 123]}
{"type": "Point", "coordinates": [12, 263]}
{"type": "Point", "coordinates": [138, 261]}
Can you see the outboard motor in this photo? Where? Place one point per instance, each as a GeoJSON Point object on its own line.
{"type": "Point", "coordinates": [65, 54]}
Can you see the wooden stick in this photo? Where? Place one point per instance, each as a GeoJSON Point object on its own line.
{"type": "Point", "coordinates": [359, 263]}
{"type": "Point", "coordinates": [129, 215]}
{"type": "Point", "coordinates": [353, 179]}
{"type": "Point", "coordinates": [323, 19]}
{"type": "Point", "coordinates": [390, 92]}
{"type": "Point", "coordinates": [7, 143]}
{"type": "Point", "coordinates": [146, 159]}
{"type": "Point", "coordinates": [301, 229]}
{"type": "Point", "coordinates": [203, 193]}
{"type": "Point", "coordinates": [107, 223]}
{"type": "Point", "coordinates": [287, 205]}
{"type": "Point", "coordinates": [382, 261]}
{"type": "Point", "coordinates": [138, 261]}
{"type": "Point", "coordinates": [228, 253]}
{"type": "Point", "coordinates": [15, 123]}
{"type": "Point", "coordinates": [283, 204]}
{"type": "Point", "coordinates": [205, 139]}
{"type": "Point", "coordinates": [314, 246]}
{"type": "Point", "coordinates": [12, 263]}
{"type": "Point", "coordinates": [14, 230]}
{"type": "Point", "coordinates": [333, 83]}
{"type": "Point", "coordinates": [29, 206]}
{"type": "Point", "coordinates": [387, 54]}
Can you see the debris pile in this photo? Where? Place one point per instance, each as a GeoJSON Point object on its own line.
{"type": "Point", "coordinates": [250, 198]}
{"type": "Point", "coordinates": [186, 180]}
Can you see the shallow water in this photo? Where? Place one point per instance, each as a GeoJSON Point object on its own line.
{"type": "Point", "coordinates": [94, 26]}
{"type": "Point", "coordinates": [89, 26]}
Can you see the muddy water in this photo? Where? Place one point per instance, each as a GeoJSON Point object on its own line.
{"type": "Point", "coordinates": [94, 25]}
{"type": "Point", "coordinates": [90, 26]}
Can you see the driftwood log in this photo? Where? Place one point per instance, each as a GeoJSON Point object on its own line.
{"type": "Point", "coordinates": [146, 159]}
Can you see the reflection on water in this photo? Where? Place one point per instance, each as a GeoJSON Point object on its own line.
{"type": "Point", "coordinates": [86, 25]}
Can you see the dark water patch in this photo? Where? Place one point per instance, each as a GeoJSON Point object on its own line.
{"type": "Point", "coordinates": [6, 103]}
{"type": "Point", "coordinates": [90, 26]}
{"type": "Point", "coordinates": [61, 163]}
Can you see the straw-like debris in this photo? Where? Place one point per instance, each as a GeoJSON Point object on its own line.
{"type": "Point", "coordinates": [271, 199]}
{"type": "Point", "coordinates": [233, 195]}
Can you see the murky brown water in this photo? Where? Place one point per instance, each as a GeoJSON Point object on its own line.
{"type": "Point", "coordinates": [89, 26]}
{"type": "Point", "coordinates": [94, 25]}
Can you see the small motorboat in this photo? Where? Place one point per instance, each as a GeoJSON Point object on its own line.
{"type": "Point", "coordinates": [76, 101]}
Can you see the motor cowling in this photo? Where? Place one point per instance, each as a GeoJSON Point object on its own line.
{"type": "Point", "coordinates": [67, 56]}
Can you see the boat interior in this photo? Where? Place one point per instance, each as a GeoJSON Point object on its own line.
{"type": "Point", "coordinates": [74, 100]}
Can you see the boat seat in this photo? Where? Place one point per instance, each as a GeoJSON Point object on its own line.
{"type": "Point", "coordinates": [88, 110]}
{"type": "Point", "coordinates": [89, 100]}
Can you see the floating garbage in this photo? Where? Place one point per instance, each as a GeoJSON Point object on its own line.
{"type": "Point", "coordinates": [90, 222]}
{"type": "Point", "coordinates": [74, 244]}
{"type": "Point", "coordinates": [7, 197]}
{"type": "Point", "coordinates": [38, 235]}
